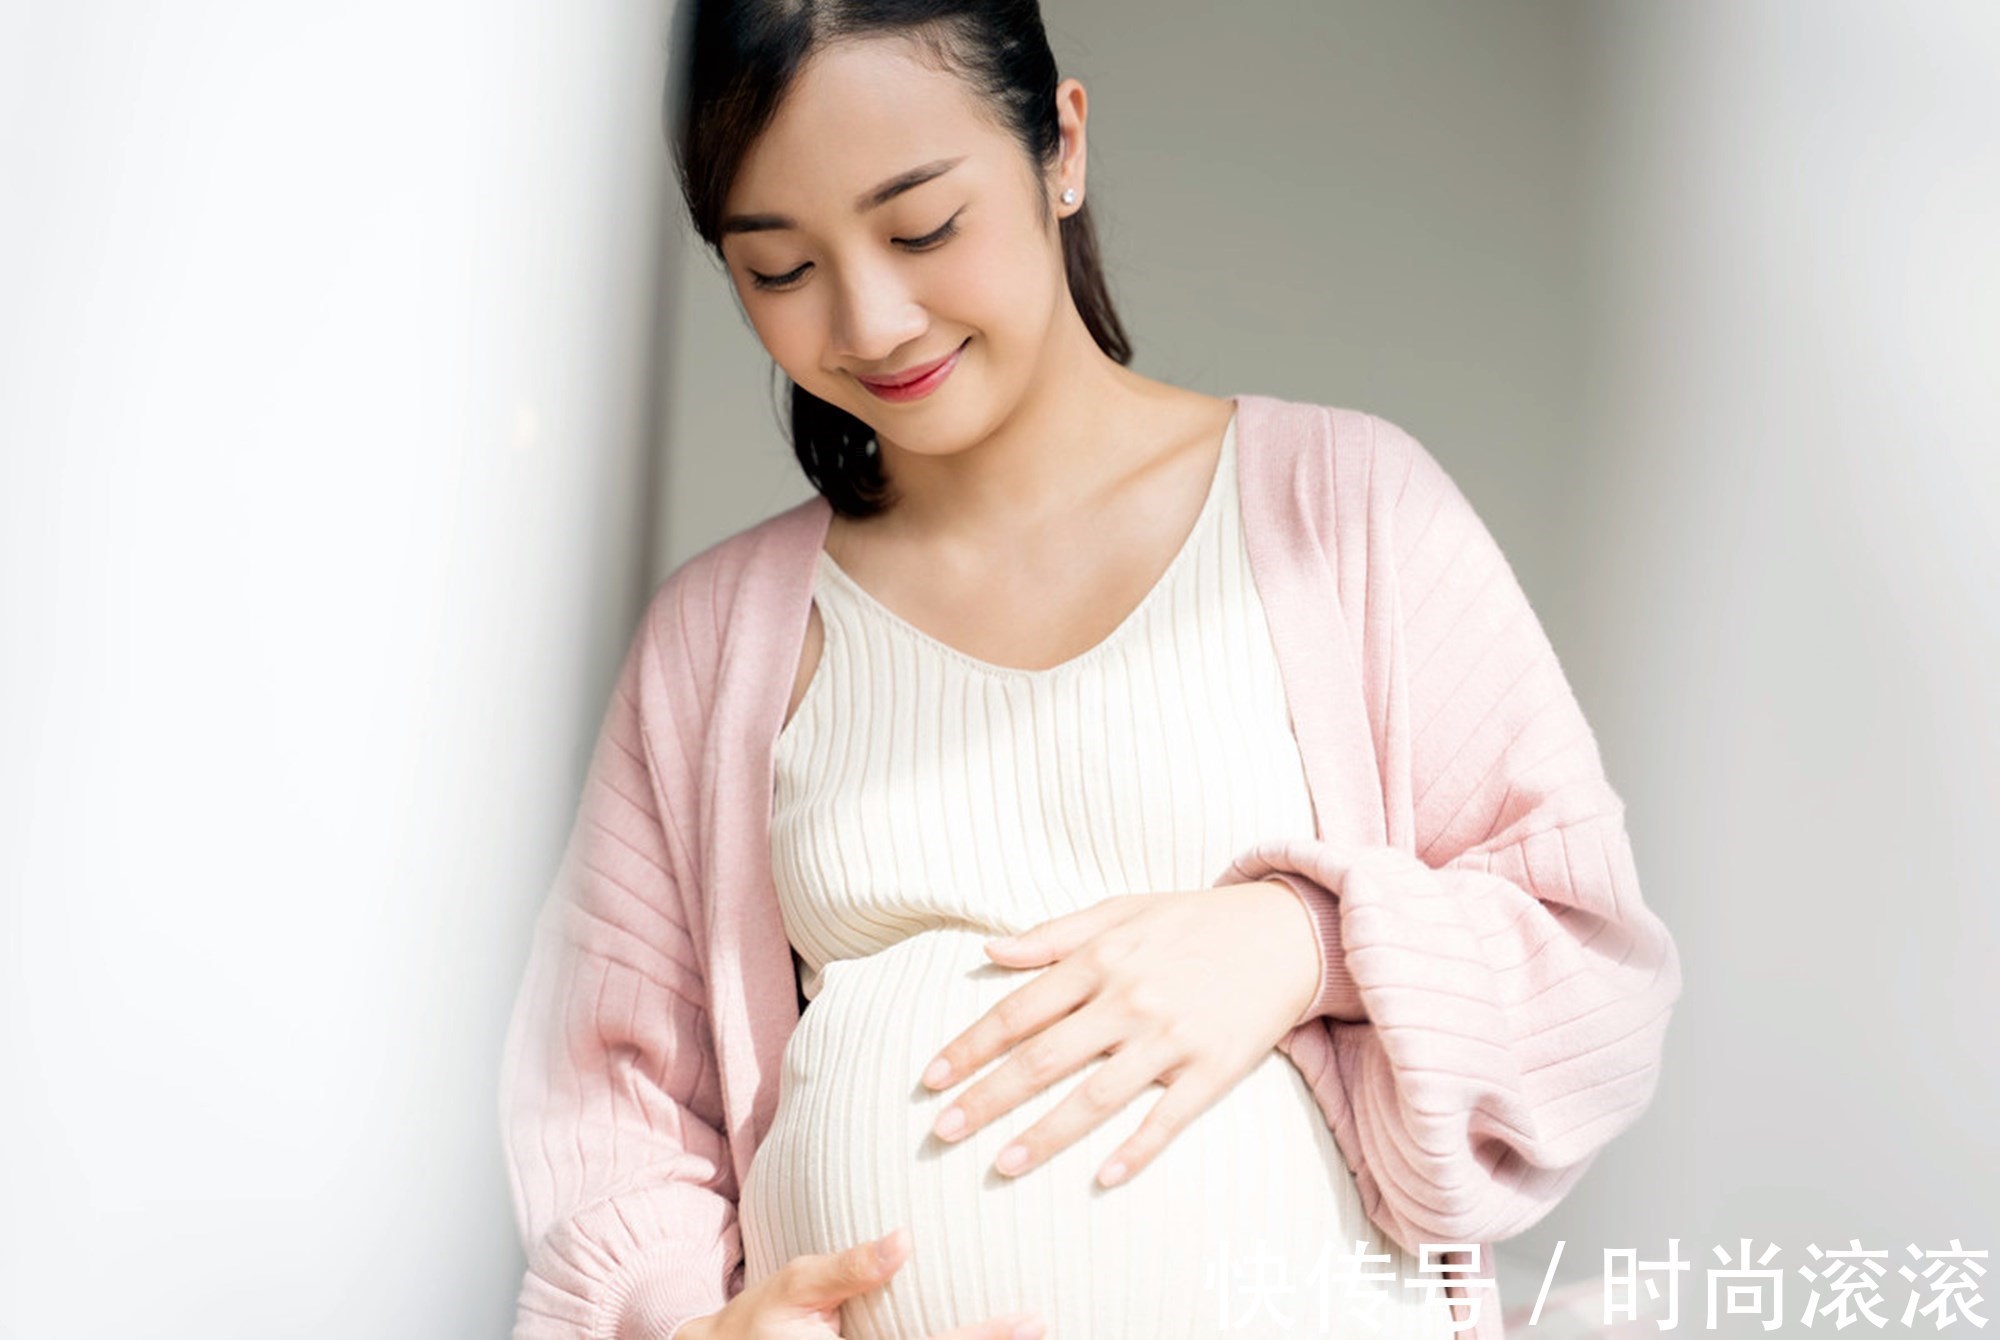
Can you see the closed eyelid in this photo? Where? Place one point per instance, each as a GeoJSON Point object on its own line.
{"type": "Point", "coordinates": [944, 229]}
{"type": "Point", "coordinates": [926, 241]}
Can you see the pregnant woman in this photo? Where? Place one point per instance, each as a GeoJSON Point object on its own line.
{"type": "Point", "coordinates": [1131, 854]}
{"type": "Point", "coordinates": [928, 799]}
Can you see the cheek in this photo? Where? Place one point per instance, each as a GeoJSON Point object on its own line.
{"type": "Point", "coordinates": [994, 288]}
{"type": "Point", "coordinates": [790, 332]}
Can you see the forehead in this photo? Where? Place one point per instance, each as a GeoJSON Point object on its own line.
{"type": "Point", "coordinates": [859, 111]}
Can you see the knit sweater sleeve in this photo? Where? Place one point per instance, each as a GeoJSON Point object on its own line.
{"type": "Point", "coordinates": [1498, 993]}
{"type": "Point", "coordinates": [611, 1110]}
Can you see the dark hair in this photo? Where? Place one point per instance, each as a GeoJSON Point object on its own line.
{"type": "Point", "coordinates": [735, 62]}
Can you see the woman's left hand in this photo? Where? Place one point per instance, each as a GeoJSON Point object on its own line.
{"type": "Point", "coordinates": [1188, 989]}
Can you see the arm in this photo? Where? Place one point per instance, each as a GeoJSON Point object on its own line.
{"type": "Point", "coordinates": [1508, 989]}
{"type": "Point", "coordinates": [611, 1111]}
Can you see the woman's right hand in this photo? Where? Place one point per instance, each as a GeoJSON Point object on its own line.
{"type": "Point", "coordinates": [801, 1299]}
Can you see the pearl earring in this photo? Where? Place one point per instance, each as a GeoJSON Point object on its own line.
{"type": "Point", "coordinates": [1069, 196]}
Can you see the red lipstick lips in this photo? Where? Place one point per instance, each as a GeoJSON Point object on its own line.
{"type": "Point", "coordinates": [918, 382]}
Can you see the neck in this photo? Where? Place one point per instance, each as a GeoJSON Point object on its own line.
{"type": "Point", "coordinates": [1084, 421]}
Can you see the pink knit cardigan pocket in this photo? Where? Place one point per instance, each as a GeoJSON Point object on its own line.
{"type": "Point", "coordinates": [1506, 991]}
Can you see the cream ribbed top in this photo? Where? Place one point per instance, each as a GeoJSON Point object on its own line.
{"type": "Point", "coordinates": [926, 800]}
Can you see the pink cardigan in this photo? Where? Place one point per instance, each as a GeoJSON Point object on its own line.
{"type": "Point", "coordinates": [1495, 993]}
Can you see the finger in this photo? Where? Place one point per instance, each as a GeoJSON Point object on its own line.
{"type": "Point", "coordinates": [1189, 1095]}
{"type": "Point", "coordinates": [1054, 938]}
{"type": "Point", "coordinates": [1050, 1055]}
{"type": "Point", "coordinates": [1109, 1089]}
{"type": "Point", "coordinates": [1023, 1011]}
{"type": "Point", "coordinates": [1025, 1326]}
{"type": "Point", "coordinates": [823, 1281]}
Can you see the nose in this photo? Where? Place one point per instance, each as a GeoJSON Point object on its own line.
{"type": "Point", "coordinates": [875, 315]}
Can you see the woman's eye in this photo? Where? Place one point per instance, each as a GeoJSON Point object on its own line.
{"type": "Point", "coordinates": [942, 234]}
{"type": "Point", "coordinates": [775, 281]}
{"type": "Point", "coordinates": [929, 240]}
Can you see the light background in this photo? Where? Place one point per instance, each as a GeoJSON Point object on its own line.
{"type": "Point", "coordinates": [358, 382]}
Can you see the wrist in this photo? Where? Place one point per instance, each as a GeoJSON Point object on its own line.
{"type": "Point", "coordinates": [708, 1327]}
{"type": "Point", "coordinates": [1296, 957]}
{"type": "Point", "coordinates": [1336, 995]}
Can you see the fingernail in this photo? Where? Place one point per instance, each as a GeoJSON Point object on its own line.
{"type": "Point", "coordinates": [1028, 1330]}
{"type": "Point", "coordinates": [939, 1072]}
{"type": "Point", "coordinates": [1114, 1173]}
{"type": "Point", "coordinates": [885, 1248]}
{"type": "Point", "coordinates": [1012, 1159]}
{"type": "Point", "coordinates": [951, 1124]}
{"type": "Point", "coordinates": [1003, 942]}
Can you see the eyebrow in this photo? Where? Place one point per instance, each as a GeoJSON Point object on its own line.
{"type": "Point", "coordinates": [867, 200]}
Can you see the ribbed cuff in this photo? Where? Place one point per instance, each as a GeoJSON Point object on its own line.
{"type": "Point", "coordinates": [660, 1292]}
{"type": "Point", "coordinates": [1338, 996]}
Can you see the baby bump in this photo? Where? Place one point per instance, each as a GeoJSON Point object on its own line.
{"type": "Point", "coordinates": [1245, 1223]}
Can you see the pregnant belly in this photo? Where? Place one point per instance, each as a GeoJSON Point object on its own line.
{"type": "Point", "coordinates": [1246, 1224]}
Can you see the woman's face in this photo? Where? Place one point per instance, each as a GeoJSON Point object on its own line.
{"type": "Point", "coordinates": [841, 283]}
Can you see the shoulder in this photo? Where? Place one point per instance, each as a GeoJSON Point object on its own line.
{"type": "Point", "coordinates": [1338, 464]}
{"type": "Point", "coordinates": [741, 589]}
{"type": "Point", "coordinates": [709, 587]}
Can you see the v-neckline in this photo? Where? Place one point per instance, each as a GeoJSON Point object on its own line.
{"type": "Point", "coordinates": [1226, 457]}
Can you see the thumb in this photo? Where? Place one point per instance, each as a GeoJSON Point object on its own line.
{"type": "Point", "coordinates": [831, 1278]}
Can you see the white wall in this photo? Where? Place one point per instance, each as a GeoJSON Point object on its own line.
{"type": "Point", "coordinates": [1786, 567]}
{"type": "Point", "coordinates": [326, 401]}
